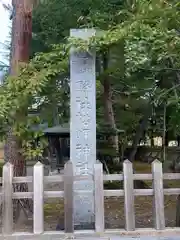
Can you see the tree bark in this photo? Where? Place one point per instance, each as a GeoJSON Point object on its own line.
{"type": "Point", "coordinates": [164, 137]}
{"type": "Point", "coordinates": [108, 108]}
{"type": "Point", "coordinates": [21, 37]}
{"type": "Point", "coordinates": [139, 133]}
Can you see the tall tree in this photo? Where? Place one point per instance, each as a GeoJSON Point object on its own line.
{"type": "Point", "coordinates": [143, 26]}
{"type": "Point", "coordinates": [21, 37]}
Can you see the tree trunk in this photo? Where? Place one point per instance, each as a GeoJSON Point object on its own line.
{"type": "Point", "coordinates": [139, 133]}
{"type": "Point", "coordinates": [152, 141]}
{"type": "Point", "coordinates": [21, 37]}
{"type": "Point", "coordinates": [13, 155]}
{"type": "Point", "coordinates": [138, 136]}
{"type": "Point", "coordinates": [108, 108]}
{"type": "Point", "coordinates": [164, 137]}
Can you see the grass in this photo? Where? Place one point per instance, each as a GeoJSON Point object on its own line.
{"type": "Point", "coordinates": [141, 167]}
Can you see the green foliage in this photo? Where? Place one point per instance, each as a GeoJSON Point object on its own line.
{"type": "Point", "coordinates": [149, 31]}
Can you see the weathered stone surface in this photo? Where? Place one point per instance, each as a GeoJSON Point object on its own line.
{"type": "Point", "coordinates": [83, 126]}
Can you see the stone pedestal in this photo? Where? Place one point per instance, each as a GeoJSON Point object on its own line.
{"type": "Point", "coordinates": [83, 128]}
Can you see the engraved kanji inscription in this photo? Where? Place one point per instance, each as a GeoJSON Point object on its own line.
{"type": "Point", "coordinates": [83, 84]}
{"type": "Point", "coordinates": [83, 126]}
{"type": "Point", "coordinates": [86, 151]}
{"type": "Point", "coordinates": [83, 119]}
{"type": "Point", "coordinates": [82, 63]}
{"type": "Point", "coordinates": [82, 55]}
{"type": "Point", "coordinates": [82, 169]}
{"type": "Point", "coordinates": [78, 151]}
{"type": "Point", "coordinates": [83, 133]}
{"type": "Point", "coordinates": [83, 102]}
{"type": "Point", "coordinates": [83, 152]}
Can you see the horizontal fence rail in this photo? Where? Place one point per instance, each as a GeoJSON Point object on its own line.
{"type": "Point", "coordinates": [128, 192]}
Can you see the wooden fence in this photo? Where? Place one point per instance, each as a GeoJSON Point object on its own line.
{"type": "Point", "coordinates": [38, 195]}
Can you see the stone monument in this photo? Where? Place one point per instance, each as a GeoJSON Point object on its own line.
{"type": "Point", "coordinates": [83, 127]}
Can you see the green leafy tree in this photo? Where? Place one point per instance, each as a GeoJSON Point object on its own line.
{"type": "Point", "coordinates": [138, 43]}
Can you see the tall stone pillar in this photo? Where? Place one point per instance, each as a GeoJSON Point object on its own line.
{"type": "Point", "coordinates": [83, 127]}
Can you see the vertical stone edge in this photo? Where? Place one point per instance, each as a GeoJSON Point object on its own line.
{"type": "Point", "coordinates": [83, 34]}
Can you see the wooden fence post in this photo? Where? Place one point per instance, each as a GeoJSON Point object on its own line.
{"type": "Point", "coordinates": [129, 195]}
{"type": "Point", "coordinates": [38, 205]}
{"type": "Point", "coordinates": [99, 198]}
{"type": "Point", "coordinates": [68, 197]}
{"type": "Point", "coordinates": [158, 195]}
{"type": "Point", "coordinates": [7, 213]}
